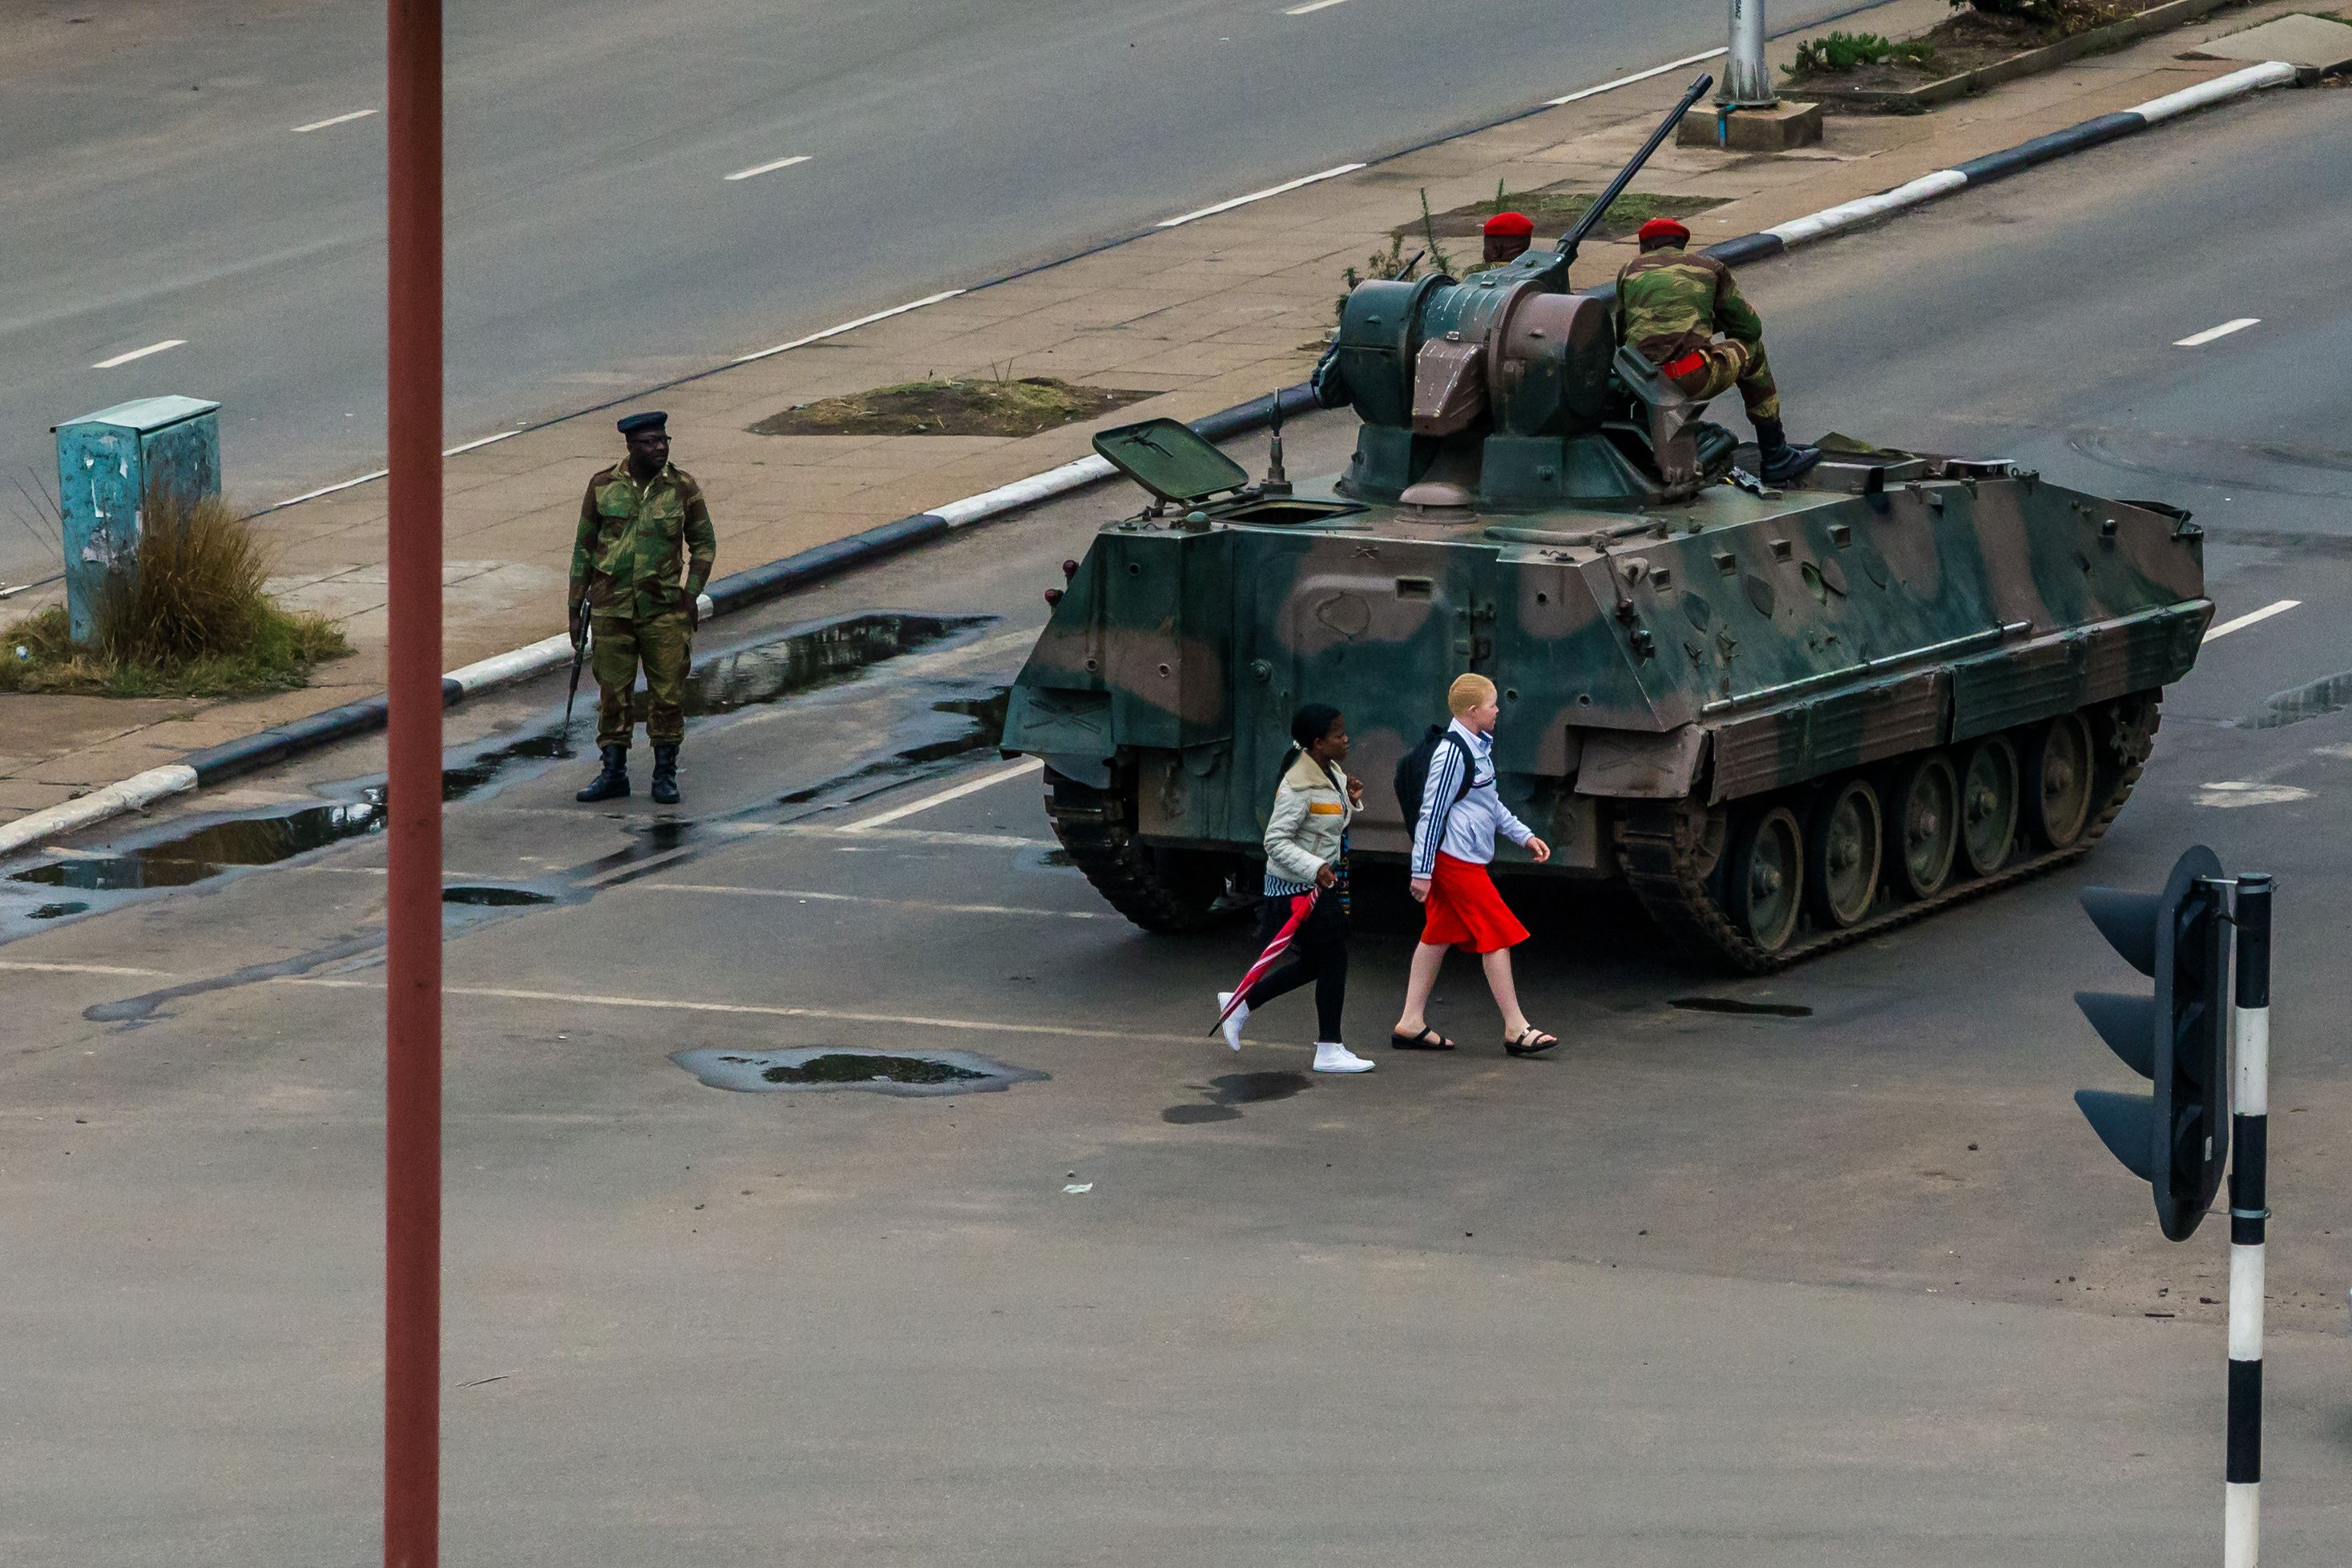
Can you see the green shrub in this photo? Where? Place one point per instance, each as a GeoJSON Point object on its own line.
{"type": "Point", "coordinates": [1842, 52]}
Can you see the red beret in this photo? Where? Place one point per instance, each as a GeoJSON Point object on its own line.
{"type": "Point", "coordinates": [1518, 224]}
{"type": "Point", "coordinates": [1664, 228]}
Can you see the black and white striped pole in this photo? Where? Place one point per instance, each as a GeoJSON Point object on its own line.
{"type": "Point", "coordinates": [2249, 1222]}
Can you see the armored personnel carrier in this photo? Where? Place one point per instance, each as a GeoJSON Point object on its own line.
{"type": "Point", "coordinates": [1784, 718]}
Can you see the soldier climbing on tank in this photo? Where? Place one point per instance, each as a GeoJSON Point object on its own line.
{"type": "Point", "coordinates": [1671, 304]}
{"type": "Point", "coordinates": [626, 562]}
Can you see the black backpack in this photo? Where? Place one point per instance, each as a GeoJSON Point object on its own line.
{"type": "Point", "coordinates": [1412, 772]}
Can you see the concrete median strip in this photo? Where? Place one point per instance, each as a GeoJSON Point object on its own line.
{"type": "Point", "coordinates": [758, 584]}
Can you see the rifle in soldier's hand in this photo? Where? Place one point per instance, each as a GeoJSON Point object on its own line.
{"type": "Point", "coordinates": [578, 629]}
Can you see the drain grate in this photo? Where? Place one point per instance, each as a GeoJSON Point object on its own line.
{"type": "Point", "coordinates": [822, 1068]}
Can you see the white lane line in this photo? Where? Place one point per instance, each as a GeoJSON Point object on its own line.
{"type": "Point", "coordinates": [338, 120]}
{"type": "Point", "coordinates": [779, 163]}
{"type": "Point", "coordinates": [953, 792]}
{"type": "Point", "coordinates": [2198, 339]}
{"type": "Point", "coordinates": [483, 441]}
{"type": "Point", "coordinates": [1637, 76]}
{"type": "Point", "coordinates": [910, 836]}
{"type": "Point", "coordinates": [667, 1004]}
{"type": "Point", "coordinates": [138, 353]}
{"type": "Point", "coordinates": [30, 968]}
{"type": "Point", "coordinates": [2250, 616]}
{"type": "Point", "coordinates": [1261, 195]}
{"type": "Point", "coordinates": [1313, 5]}
{"type": "Point", "coordinates": [850, 326]}
{"type": "Point", "coordinates": [809, 897]}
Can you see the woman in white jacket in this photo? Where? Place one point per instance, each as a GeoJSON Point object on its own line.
{"type": "Point", "coordinates": [1306, 847]}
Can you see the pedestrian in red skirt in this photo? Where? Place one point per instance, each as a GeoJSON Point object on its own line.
{"type": "Point", "coordinates": [1453, 843]}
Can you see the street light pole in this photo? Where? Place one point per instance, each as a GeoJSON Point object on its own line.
{"type": "Point", "coordinates": [411, 1296]}
{"type": "Point", "coordinates": [1746, 81]}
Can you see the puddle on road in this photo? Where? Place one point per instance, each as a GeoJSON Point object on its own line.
{"type": "Point", "coordinates": [1237, 1089]}
{"type": "Point", "coordinates": [797, 661]}
{"type": "Point", "coordinates": [494, 898]}
{"type": "Point", "coordinates": [210, 849]}
{"type": "Point", "coordinates": [824, 1068]}
{"type": "Point", "coordinates": [1746, 1009]}
{"type": "Point", "coordinates": [801, 661]}
{"type": "Point", "coordinates": [970, 725]}
{"type": "Point", "coordinates": [2330, 694]}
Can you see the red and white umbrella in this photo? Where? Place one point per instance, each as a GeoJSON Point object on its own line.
{"type": "Point", "coordinates": [1301, 905]}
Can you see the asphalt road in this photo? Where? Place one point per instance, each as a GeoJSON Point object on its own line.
{"type": "Point", "coordinates": [158, 187]}
{"type": "Point", "coordinates": [1849, 1286]}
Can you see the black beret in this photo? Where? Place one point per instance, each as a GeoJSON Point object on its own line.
{"type": "Point", "coordinates": [652, 419]}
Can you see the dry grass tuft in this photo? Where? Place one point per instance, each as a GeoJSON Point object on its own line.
{"type": "Point", "coordinates": [194, 622]}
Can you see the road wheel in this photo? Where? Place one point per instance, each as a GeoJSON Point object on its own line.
{"type": "Point", "coordinates": [1766, 879]}
{"type": "Point", "coordinates": [1988, 804]}
{"type": "Point", "coordinates": [1924, 832]}
{"type": "Point", "coordinates": [1842, 854]}
{"type": "Point", "coordinates": [2057, 790]}
{"type": "Point", "coordinates": [1163, 890]}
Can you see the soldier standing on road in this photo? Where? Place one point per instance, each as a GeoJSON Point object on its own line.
{"type": "Point", "coordinates": [626, 562]}
{"type": "Point", "coordinates": [1671, 303]}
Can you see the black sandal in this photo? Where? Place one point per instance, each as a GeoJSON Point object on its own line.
{"type": "Point", "coordinates": [1427, 1039]}
{"type": "Point", "coordinates": [1529, 1040]}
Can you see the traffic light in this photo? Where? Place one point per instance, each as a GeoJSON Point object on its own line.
{"type": "Point", "coordinates": [2177, 1139]}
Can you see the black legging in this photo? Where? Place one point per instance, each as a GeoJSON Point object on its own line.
{"type": "Point", "coordinates": [1319, 952]}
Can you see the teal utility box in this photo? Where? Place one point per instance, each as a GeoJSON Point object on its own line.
{"type": "Point", "coordinates": [109, 463]}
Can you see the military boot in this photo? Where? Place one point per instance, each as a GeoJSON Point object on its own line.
{"type": "Point", "coordinates": [1782, 463]}
{"type": "Point", "coordinates": [612, 784]}
{"type": "Point", "coordinates": [666, 775]}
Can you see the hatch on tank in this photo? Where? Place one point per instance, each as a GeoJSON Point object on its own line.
{"type": "Point", "coordinates": [1169, 459]}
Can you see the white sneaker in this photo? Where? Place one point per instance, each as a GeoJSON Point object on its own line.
{"type": "Point", "coordinates": [1232, 1024]}
{"type": "Point", "coordinates": [1332, 1057]}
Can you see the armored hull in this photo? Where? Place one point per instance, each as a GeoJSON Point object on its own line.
{"type": "Point", "coordinates": [1784, 720]}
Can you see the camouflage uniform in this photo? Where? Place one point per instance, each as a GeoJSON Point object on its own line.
{"type": "Point", "coordinates": [625, 559]}
{"type": "Point", "coordinates": [1671, 304]}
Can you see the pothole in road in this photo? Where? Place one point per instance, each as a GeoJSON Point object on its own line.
{"type": "Point", "coordinates": [56, 911]}
{"type": "Point", "coordinates": [1745, 1010]}
{"type": "Point", "coordinates": [823, 1068]}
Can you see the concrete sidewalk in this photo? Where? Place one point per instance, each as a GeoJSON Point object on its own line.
{"type": "Point", "coordinates": [1205, 314]}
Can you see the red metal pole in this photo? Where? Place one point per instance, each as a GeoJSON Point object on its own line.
{"type": "Point", "coordinates": [412, 1295]}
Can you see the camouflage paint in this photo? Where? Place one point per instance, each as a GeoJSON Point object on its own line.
{"type": "Point", "coordinates": [1713, 649]}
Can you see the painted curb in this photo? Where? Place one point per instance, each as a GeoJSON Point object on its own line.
{"type": "Point", "coordinates": [1851, 215]}
{"type": "Point", "coordinates": [758, 584]}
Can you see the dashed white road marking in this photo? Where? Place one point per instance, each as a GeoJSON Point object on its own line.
{"type": "Point", "coordinates": [862, 838]}
{"type": "Point", "coordinates": [1637, 76]}
{"type": "Point", "coordinates": [2198, 339]}
{"type": "Point", "coordinates": [808, 896]}
{"type": "Point", "coordinates": [771, 168]}
{"type": "Point", "coordinates": [24, 967]}
{"type": "Point", "coordinates": [850, 326]}
{"type": "Point", "coordinates": [138, 353]}
{"type": "Point", "coordinates": [2250, 616]}
{"type": "Point", "coordinates": [1288, 186]}
{"type": "Point", "coordinates": [828, 1015]}
{"type": "Point", "coordinates": [953, 792]}
{"type": "Point", "coordinates": [2242, 793]}
{"type": "Point", "coordinates": [337, 119]}
{"type": "Point", "coordinates": [1312, 6]}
